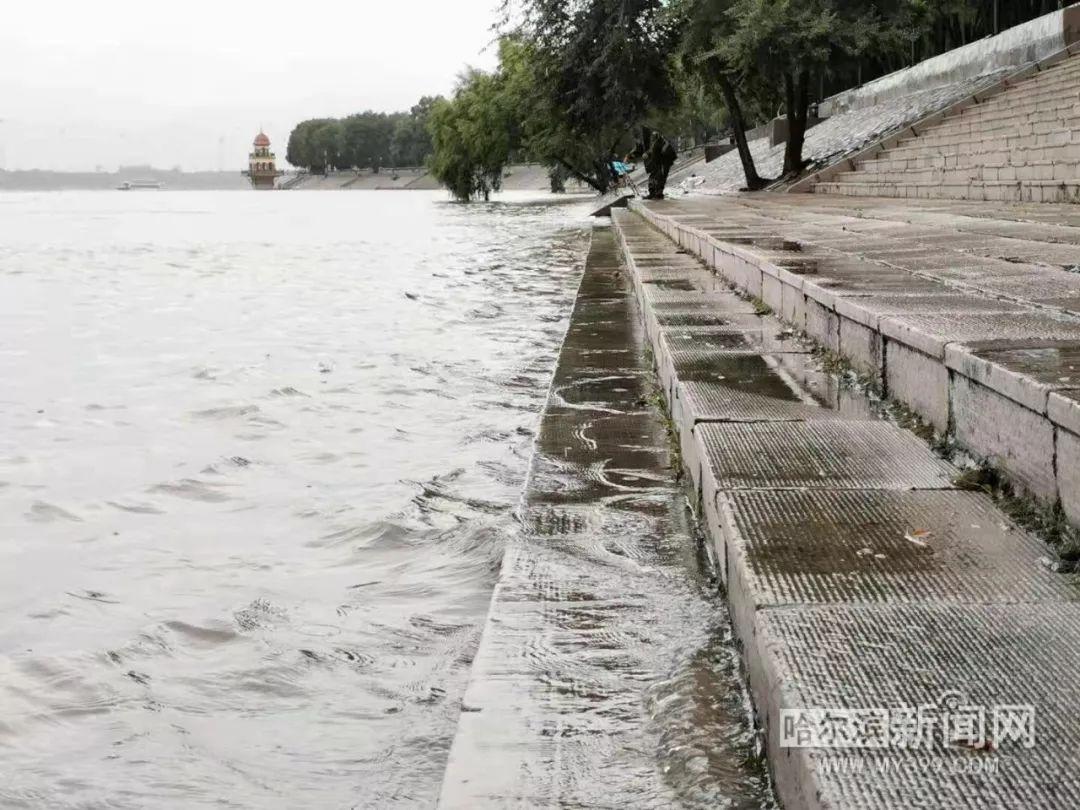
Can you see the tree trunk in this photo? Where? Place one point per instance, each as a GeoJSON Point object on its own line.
{"type": "Point", "coordinates": [738, 126]}
{"type": "Point", "coordinates": [797, 103]}
{"type": "Point", "coordinates": [600, 186]}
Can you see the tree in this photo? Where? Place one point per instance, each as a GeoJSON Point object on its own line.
{"type": "Point", "coordinates": [410, 143]}
{"type": "Point", "coordinates": [794, 40]}
{"type": "Point", "coordinates": [471, 136]}
{"type": "Point", "coordinates": [704, 52]}
{"type": "Point", "coordinates": [594, 69]}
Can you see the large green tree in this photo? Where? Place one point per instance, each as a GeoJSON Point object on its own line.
{"type": "Point", "coordinates": [595, 69]}
{"type": "Point", "coordinates": [471, 135]}
{"type": "Point", "coordinates": [793, 41]}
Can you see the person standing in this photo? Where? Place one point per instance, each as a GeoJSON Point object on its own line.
{"type": "Point", "coordinates": [658, 156]}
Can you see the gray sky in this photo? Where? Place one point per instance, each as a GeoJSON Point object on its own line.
{"type": "Point", "coordinates": [86, 83]}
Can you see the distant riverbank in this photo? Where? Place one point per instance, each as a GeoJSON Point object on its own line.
{"type": "Point", "coordinates": [39, 180]}
{"type": "Point", "coordinates": [516, 177]}
{"type": "Point", "coordinates": [519, 177]}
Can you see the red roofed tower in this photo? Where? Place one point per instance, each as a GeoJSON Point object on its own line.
{"type": "Point", "coordinates": [262, 170]}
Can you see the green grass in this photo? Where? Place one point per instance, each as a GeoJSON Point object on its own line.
{"type": "Point", "coordinates": [658, 401]}
{"type": "Point", "coordinates": [1046, 521]}
{"type": "Point", "coordinates": [760, 307]}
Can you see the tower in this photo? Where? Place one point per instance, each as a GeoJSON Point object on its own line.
{"type": "Point", "coordinates": [262, 170]}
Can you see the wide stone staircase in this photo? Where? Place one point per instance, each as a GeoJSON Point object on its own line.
{"type": "Point", "coordinates": [1021, 145]}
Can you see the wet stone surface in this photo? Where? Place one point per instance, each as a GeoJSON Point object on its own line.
{"type": "Point", "coordinates": [606, 676]}
{"type": "Point", "coordinates": [802, 547]}
{"type": "Point", "coordinates": [896, 656]}
{"type": "Point", "coordinates": [832, 455]}
{"type": "Point", "coordinates": [1050, 363]}
{"type": "Point", "coordinates": [863, 584]}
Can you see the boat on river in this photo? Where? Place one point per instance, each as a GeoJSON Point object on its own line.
{"type": "Point", "coordinates": [139, 185]}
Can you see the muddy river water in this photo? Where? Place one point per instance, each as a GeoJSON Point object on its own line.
{"type": "Point", "coordinates": [260, 456]}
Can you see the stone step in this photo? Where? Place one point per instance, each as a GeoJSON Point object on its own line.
{"type": "Point", "coordinates": [1053, 96]}
{"type": "Point", "coordinates": [888, 162]}
{"type": "Point", "coordinates": [979, 143]}
{"type": "Point", "coordinates": [1012, 109]}
{"type": "Point", "coordinates": [1044, 171]}
{"type": "Point", "coordinates": [1011, 119]}
{"type": "Point", "coordinates": [857, 578]}
{"type": "Point", "coordinates": [1041, 191]}
{"type": "Point", "coordinates": [983, 138]}
{"type": "Point", "coordinates": [991, 141]}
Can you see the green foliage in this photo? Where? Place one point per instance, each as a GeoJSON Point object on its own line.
{"type": "Point", "coordinates": [314, 144]}
{"type": "Point", "coordinates": [471, 136]}
{"type": "Point", "coordinates": [362, 141]}
{"type": "Point", "coordinates": [594, 69]}
{"type": "Point", "coordinates": [757, 52]}
{"type": "Point", "coordinates": [410, 144]}
{"type": "Point", "coordinates": [577, 77]}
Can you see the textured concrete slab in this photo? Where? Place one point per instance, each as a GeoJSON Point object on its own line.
{"type": "Point", "coordinates": [822, 547]}
{"type": "Point", "coordinates": [920, 381]}
{"type": "Point", "coordinates": [856, 575]}
{"type": "Point", "coordinates": [721, 338]}
{"type": "Point", "coordinates": [767, 400]}
{"type": "Point", "coordinates": [692, 317]}
{"type": "Point", "coordinates": [941, 657]}
{"type": "Point", "coordinates": [929, 333]}
{"type": "Point", "coordinates": [1017, 440]}
{"type": "Point", "coordinates": [1026, 371]}
{"type": "Point", "coordinates": [869, 310]}
{"type": "Point", "coordinates": [835, 455]}
{"type": "Point", "coordinates": [1068, 471]}
{"type": "Point", "coordinates": [1063, 408]}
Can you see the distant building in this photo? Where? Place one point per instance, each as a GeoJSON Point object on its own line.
{"type": "Point", "coordinates": [262, 170]}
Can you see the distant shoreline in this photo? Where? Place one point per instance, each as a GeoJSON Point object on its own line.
{"type": "Point", "coordinates": [44, 180]}
{"type": "Point", "coordinates": [518, 177]}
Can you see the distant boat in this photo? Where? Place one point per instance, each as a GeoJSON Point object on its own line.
{"type": "Point", "coordinates": [139, 185]}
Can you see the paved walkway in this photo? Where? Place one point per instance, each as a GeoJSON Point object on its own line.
{"type": "Point", "coordinates": [967, 312]}
{"type": "Point", "coordinates": [898, 632]}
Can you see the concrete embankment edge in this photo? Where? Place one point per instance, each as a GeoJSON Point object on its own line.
{"type": "Point", "coordinates": [989, 621]}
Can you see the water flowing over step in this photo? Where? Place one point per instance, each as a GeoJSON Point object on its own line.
{"type": "Point", "coordinates": [605, 676]}
{"type": "Point", "coordinates": [866, 590]}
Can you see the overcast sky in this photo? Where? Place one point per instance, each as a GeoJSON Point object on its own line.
{"type": "Point", "coordinates": [86, 83]}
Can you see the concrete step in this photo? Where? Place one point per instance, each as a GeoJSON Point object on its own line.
{"type": "Point", "coordinates": [1007, 117]}
{"type": "Point", "coordinates": [960, 158]}
{"type": "Point", "coordinates": [856, 576]}
{"type": "Point", "coordinates": [1039, 191]}
{"type": "Point", "coordinates": [1016, 101]}
{"type": "Point", "coordinates": [985, 115]}
{"type": "Point", "coordinates": [1043, 171]}
{"type": "Point", "coordinates": [989, 141]}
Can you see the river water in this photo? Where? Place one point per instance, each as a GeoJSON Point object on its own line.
{"type": "Point", "coordinates": [259, 458]}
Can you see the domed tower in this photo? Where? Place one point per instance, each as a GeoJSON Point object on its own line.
{"type": "Point", "coordinates": [262, 170]}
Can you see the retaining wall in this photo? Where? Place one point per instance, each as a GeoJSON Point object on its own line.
{"type": "Point", "coordinates": [1018, 46]}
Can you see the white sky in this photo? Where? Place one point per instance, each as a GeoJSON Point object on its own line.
{"type": "Point", "coordinates": [86, 83]}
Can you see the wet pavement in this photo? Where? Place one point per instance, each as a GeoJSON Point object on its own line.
{"type": "Point", "coordinates": [967, 312]}
{"type": "Point", "coordinates": [606, 676]}
{"type": "Point", "coordinates": [905, 641]}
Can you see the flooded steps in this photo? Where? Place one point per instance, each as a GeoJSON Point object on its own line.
{"type": "Point", "coordinates": [859, 579]}
{"type": "Point", "coordinates": [605, 675]}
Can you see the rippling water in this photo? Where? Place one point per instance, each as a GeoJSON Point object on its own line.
{"type": "Point", "coordinates": [258, 457]}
